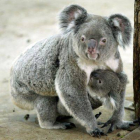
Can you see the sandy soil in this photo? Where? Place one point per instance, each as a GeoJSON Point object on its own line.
{"type": "Point", "coordinates": [25, 22]}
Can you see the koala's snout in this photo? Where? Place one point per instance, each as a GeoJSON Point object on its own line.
{"type": "Point", "coordinates": [92, 48]}
{"type": "Point", "coordinates": [92, 44]}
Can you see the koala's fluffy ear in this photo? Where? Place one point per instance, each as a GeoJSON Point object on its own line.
{"type": "Point", "coordinates": [121, 28]}
{"type": "Point", "coordinates": [122, 77]}
{"type": "Point", "coordinates": [72, 17]}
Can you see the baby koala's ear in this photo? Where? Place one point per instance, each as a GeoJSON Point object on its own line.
{"type": "Point", "coordinates": [121, 29]}
{"type": "Point", "coordinates": [122, 77]}
{"type": "Point", "coordinates": [71, 17]}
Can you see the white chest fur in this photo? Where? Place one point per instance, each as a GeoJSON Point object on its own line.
{"type": "Point", "coordinates": [88, 67]}
{"type": "Point", "coordinates": [112, 63]}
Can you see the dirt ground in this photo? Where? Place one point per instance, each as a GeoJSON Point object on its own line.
{"type": "Point", "coordinates": [25, 22]}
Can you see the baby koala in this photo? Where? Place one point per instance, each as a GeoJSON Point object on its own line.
{"type": "Point", "coordinates": [109, 88]}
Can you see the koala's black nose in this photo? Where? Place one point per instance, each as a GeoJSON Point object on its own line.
{"type": "Point", "coordinates": [92, 43]}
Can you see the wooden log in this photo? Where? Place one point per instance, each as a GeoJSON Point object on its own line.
{"type": "Point", "coordinates": [136, 58]}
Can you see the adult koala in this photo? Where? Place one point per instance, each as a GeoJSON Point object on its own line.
{"type": "Point", "coordinates": [65, 61]}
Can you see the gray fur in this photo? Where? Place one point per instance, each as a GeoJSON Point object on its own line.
{"type": "Point", "coordinates": [117, 55]}
{"type": "Point", "coordinates": [57, 66]}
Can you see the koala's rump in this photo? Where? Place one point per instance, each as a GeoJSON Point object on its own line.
{"type": "Point", "coordinates": [37, 67]}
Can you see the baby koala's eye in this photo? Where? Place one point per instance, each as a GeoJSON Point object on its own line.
{"type": "Point", "coordinates": [99, 81]}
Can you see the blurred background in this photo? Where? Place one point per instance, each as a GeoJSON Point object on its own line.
{"type": "Point", "coordinates": [25, 22]}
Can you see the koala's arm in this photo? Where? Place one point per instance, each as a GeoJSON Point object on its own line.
{"type": "Point", "coordinates": [70, 85]}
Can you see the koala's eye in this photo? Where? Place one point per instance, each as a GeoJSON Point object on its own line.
{"type": "Point", "coordinates": [104, 40]}
{"type": "Point", "coordinates": [83, 38]}
{"type": "Point", "coordinates": [99, 81]}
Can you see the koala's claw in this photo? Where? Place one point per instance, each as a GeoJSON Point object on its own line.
{"type": "Point", "coordinates": [100, 123]}
{"type": "Point", "coordinates": [105, 124]}
{"type": "Point", "coordinates": [97, 133]}
{"type": "Point", "coordinates": [111, 127]}
{"type": "Point", "coordinates": [69, 125]}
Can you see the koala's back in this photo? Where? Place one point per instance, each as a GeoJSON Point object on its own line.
{"type": "Point", "coordinates": [36, 68]}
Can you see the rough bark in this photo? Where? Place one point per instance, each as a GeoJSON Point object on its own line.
{"type": "Point", "coordinates": [136, 58]}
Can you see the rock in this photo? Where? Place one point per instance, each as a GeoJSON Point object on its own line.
{"type": "Point", "coordinates": [26, 117]}
{"type": "Point", "coordinates": [28, 40]}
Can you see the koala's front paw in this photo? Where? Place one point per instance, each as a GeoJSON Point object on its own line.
{"type": "Point", "coordinates": [96, 133]}
{"type": "Point", "coordinates": [113, 123]}
{"type": "Point", "coordinates": [117, 124]}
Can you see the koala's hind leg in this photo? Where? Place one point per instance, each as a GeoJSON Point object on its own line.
{"type": "Point", "coordinates": [22, 96]}
{"type": "Point", "coordinates": [46, 108]}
